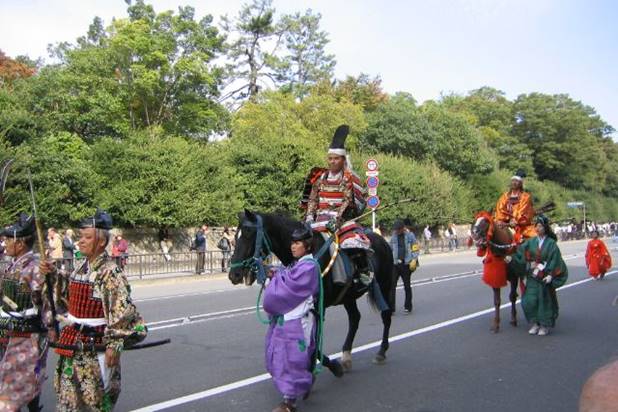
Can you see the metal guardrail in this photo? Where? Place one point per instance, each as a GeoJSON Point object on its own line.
{"type": "Point", "coordinates": [157, 264]}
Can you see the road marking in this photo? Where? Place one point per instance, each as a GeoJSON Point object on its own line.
{"type": "Point", "coordinates": [227, 314]}
{"type": "Point", "coordinates": [265, 376]}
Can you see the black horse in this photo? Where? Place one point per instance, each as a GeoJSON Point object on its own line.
{"type": "Point", "coordinates": [277, 231]}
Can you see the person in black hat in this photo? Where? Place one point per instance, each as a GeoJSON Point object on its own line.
{"type": "Point", "coordinates": [515, 208]}
{"type": "Point", "coordinates": [402, 244]}
{"type": "Point", "coordinates": [24, 350]}
{"type": "Point", "coordinates": [289, 299]}
{"type": "Point", "coordinates": [100, 312]}
{"type": "Point", "coordinates": [337, 195]}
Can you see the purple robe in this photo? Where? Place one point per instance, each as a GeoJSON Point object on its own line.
{"type": "Point", "coordinates": [290, 340]}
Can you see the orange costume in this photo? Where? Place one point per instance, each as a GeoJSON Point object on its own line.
{"type": "Point", "coordinates": [598, 258]}
{"type": "Point", "coordinates": [517, 206]}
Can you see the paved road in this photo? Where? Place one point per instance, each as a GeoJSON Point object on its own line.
{"type": "Point", "coordinates": [443, 357]}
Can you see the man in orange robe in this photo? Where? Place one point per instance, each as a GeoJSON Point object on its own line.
{"type": "Point", "coordinates": [598, 259]}
{"type": "Point", "coordinates": [514, 209]}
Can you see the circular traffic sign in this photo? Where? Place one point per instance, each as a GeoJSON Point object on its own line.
{"type": "Point", "coordinates": [373, 202]}
{"type": "Point", "coordinates": [372, 165]}
{"type": "Point", "coordinates": [373, 181]}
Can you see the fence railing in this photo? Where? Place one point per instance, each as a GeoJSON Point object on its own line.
{"type": "Point", "coordinates": [158, 264]}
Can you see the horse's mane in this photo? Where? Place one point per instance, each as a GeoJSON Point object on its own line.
{"type": "Point", "coordinates": [283, 218]}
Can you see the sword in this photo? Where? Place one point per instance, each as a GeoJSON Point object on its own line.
{"type": "Point", "coordinates": [4, 175]}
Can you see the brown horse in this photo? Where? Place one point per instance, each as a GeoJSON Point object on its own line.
{"type": "Point", "coordinates": [502, 243]}
{"type": "Point", "coordinates": [499, 241]}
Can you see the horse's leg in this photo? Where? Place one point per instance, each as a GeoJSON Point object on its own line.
{"type": "Point", "coordinates": [513, 299]}
{"type": "Point", "coordinates": [495, 327]}
{"type": "Point", "coordinates": [353, 320]}
{"type": "Point", "coordinates": [333, 365]}
{"type": "Point", "coordinates": [380, 358]}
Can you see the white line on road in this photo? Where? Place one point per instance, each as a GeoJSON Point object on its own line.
{"type": "Point", "coordinates": [227, 314]}
{"type": "Point", "coordinates": [265, 376]}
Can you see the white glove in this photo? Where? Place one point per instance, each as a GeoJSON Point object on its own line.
{"type": "Point", "coordinates": [547, 279]}
{"type": "Point", "coordinates": [309, 219]}
{"type": "Point", "coordinates": [399, 261]}
{"type": "Point", "coordinates": [508, 258]}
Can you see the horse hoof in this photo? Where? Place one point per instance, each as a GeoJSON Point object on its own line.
{"type": "Point", "coordinates": [336, 368]}
{"type": "Point", "coordinates": [514, 323]}
{"type": "Point", "coordinates": [346, 361]}
{"type": "Point", "coordinates": [495, 329]}
{"type": "Point", "coordinates": [379, 360]}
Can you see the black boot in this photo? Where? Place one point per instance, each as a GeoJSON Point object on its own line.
{"type": "Point", "coordinates": [33, 405]}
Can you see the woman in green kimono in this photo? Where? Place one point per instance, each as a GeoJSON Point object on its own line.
{"type": "Point", "coordinates": [545, 272]}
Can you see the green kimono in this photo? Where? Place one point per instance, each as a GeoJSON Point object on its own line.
{"type": "Point", "coordinates": [540, 302]}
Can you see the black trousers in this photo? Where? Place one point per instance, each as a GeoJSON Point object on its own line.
{"type": "Point", "coordinates": [403, 271]}
{"type": "Point", "coordinates": [201, 258]}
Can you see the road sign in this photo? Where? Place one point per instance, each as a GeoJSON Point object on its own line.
{"type": "Point", "coordinates": [574, 205]}
{"type": "Point", "coordinates": [373, 182]}
{"type": "Point", "coordinates": [372, 165]}
{"type": "Point", "coordinates": [372, 173]}
{"type": "Point", "coordinates": [373, 202]}
{"type": "Point", "coordinates": [372, 191]}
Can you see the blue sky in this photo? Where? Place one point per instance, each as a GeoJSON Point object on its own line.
{"type": "Point", "coordinates": [422, 47]}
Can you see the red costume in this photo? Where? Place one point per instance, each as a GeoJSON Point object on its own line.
{"type": "Point", "coordinates": [598, 258]}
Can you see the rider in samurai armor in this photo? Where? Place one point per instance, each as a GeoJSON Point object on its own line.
{"type": "Point", "coordinates": [23, 339]}
{"type": "Point", "coordinates": [336, 195]}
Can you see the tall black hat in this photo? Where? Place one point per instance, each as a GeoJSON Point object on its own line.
{"type": "Point", "coordinates": [337, 146]}
{"type": "Point", "coordinates": [303, 233]}
{"type": "Point", "coordinates": [407, 222]}
{"type": "Point", "coordinates": [23, 227]}
{"type": "Point", "coordinates": [520, 174]}
{"type": "Point", "coordinates": [100, 220]}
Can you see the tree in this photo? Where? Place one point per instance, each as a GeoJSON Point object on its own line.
{"type": "Point", "coordinates": [362, 90]}
{"type": "Point", "coordinates": [11, 70]}
{"type": "Point", "coordinates": [253, 42]}
{"type": "Point", "coordinates": [148, 70]}
{"type": "Point", "coordinates": [430, 132]}
{"type": "Point", "coordinates": [565, 137]}
{"type": "Point", "coordinates": [153, 179]}
{"type": "Point", "coordinates": [306, 61]}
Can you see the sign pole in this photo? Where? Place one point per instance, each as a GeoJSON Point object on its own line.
{"type": "Point", "coordinates": [373, 220]}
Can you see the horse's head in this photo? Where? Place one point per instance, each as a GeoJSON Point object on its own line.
{"type": "Point", "coordinates": [242, 259]}
{"type": "Point", "coordinates": [480, 229]}
{"type": "Point", "coordinates": [485, 232]}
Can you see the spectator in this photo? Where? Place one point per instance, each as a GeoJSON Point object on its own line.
{"type": "Point", "coordinates": [120, 248]}
{"type": "Point", "coordinates": [402, 243]}
{"type": "Point", "coordinates": [200, 246]}
{"type": "Point", "coordinates": [68, 251]}
{"type": "Point", "coordinates": [427, 238]}
{"type": "Point", "coordinates": [2, 247]}
{"type": "Point", "coordinates": [225, 244]}
{"type": "Point", "coordinates": [451, 235]}
{"type": "Point", "coordinates": [165, 243]}
{"type": "Point", "coordinates": [55, 246]}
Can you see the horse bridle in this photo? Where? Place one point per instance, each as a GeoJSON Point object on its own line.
{"type": "Point", "coordinates": [262, 250]}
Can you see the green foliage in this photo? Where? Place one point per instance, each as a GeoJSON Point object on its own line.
{"type": "Point", "coordinates": [565, 137]}
{"type": "Point", "coordinates": [438, 196]}
{"type": "Point", "coordinates": [62, 175]}
{"type": "Point", "coordinates": [430, 132]}
{"type": "Point", "coordinates": [156, 180]}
